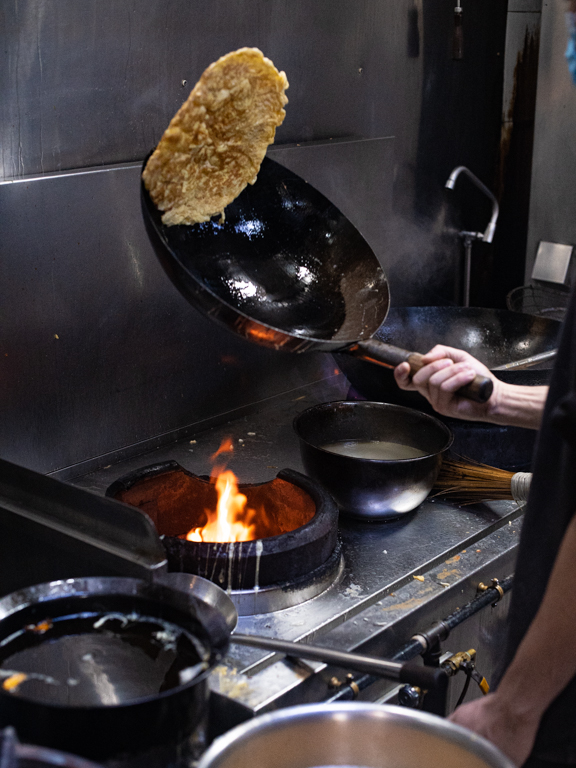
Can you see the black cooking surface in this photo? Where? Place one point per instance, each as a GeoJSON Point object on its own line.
{"type": "Point", "coordinates": [283, 256]}
{"type": "Point", "coordinates": [93, 659]}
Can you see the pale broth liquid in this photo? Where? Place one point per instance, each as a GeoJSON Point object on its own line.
{"type": "Point", "coordinates": [374, 449]}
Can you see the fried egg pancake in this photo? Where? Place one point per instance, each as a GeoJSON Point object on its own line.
{"type": "Point", "coordinates": [216, 142]}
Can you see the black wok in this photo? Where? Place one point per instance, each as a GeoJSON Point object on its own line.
{"type": "Point", "coordinates": [494, 336]}
{"type": "Point", "coordinates": [104, 694]}
{"type": "Point", "coordinates": [285, 269]}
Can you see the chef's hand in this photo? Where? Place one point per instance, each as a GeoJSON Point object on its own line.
{"type": "Point", "coordinates": [445, 371]}
{"type": "Point", "coordinates": [492, 718]}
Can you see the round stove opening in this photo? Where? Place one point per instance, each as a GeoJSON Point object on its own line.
{"type": "Point", "coordinates": [293, 553]}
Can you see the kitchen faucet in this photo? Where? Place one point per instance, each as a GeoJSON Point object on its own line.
{"type": "Point", "coordinates": [469, 237]}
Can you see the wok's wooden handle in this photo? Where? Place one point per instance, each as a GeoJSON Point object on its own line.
{"type": "Point", "coordinates": [479, 390]}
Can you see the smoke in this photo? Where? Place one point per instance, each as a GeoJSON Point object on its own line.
{"type": "Point", "coordinates": [421, 258]}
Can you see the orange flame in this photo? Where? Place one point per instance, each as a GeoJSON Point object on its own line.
{"type": "Point", "coordinates": [260, 333]}
{"type": "Point", "coordinates": [231, 521]}
{"type": "Point", "coordinates": [226, 446]}
{"type": "Point", "coordinates": [11, 683]}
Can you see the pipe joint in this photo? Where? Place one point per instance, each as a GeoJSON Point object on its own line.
{"type": "Point", "coordinates": [435, 634]}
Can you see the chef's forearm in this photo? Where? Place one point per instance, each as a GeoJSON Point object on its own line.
{"type": "Point", "coordinates": [517, 406]}
{"type": "Point", "coordinates": [545, 661]}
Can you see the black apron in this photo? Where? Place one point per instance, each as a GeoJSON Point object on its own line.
{"type": "Point", "coordinates": [551, 505]}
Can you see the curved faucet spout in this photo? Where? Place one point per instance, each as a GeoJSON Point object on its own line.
{"type": "Point", "coordinates": [450, 184]}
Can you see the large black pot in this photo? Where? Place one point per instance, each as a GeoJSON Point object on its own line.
{"type": "Point", "coordinates": [124, 711]}
{"type": "Point", "coordinates": [494, 337]}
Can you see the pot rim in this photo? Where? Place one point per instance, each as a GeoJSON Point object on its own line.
{"type": "Point", "coordinates": [44, 594]}
{"type": "Point", "coordinates": [371, 405]}
{"type": "Point", "coordinates": [326, 512]}
{"type": "Point", "coordinates": [424, 721]}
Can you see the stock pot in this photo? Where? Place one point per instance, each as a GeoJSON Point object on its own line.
{"type": "Point", "coordinates": [351, 734]}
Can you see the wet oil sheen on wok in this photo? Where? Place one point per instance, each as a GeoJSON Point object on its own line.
{"type": "Point", "coordinates": [374, 449]}
{"type": "Point", "coordinates": [99, 659]}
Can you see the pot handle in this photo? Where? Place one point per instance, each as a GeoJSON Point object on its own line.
{"type": "Point", "coordinates": [374, 351]}
{"type": "Point", "coordinates": [408, 672]}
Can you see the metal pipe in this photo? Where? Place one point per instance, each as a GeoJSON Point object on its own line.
{"type": "Point", "coordinates": [450, 184]}
{"type": "Point", "coordinates": [414, 674]}
{"type": "Point", "coordinates": [418, 644]}
{"type": "Point", "coordinates": [467, 270]}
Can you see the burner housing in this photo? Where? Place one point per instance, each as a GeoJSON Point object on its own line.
{"type": "Point", "coordinates": [298, 535]}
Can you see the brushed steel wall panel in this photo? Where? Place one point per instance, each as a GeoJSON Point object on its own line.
{"type": "Point", "coordinates": [553, 189]}
{"type": "Point", "coordinates": [90, 83]}
{"type": "Point", "coordinates": [95, 83]}
{"type": "Point", "coordinates": [524, 6]}
{"type": "Point", "coordinates": [98, 350]}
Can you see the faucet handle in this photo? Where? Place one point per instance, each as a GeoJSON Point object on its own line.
{"type": "Point", "coordinates": [491, 228]}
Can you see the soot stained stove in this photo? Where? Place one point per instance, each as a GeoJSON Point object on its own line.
{"type": "Point", "coordinates": [393, 579]}
{"type": "Point", "coordinates": [293, 553]}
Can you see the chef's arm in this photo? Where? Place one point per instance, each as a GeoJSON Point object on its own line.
{"type": "Point", "coordinates": [543, 665]}
{"type": "Point", "coordinates": [446, 370]}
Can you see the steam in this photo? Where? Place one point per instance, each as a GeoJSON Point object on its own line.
{"type": "Point", "coordinates": [421, 258]}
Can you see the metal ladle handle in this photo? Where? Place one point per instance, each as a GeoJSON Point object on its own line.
{"type": "Point", "coordinates": [8, 746]}
{"type": "Point", "coordinates": [409, 672]}
{"type": "Point", "coordinates": [528, 362]}
{"type": "Point", "coordinates": [479, 390]}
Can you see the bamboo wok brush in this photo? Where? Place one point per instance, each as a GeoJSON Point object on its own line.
{"type": "Point", "coordinates": [469, 482]}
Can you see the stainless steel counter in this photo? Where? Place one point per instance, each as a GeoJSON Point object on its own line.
{"type": "Point", "coordinates": [398, 577]}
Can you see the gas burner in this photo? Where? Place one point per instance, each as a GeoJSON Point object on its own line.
{"type": "Point", "coordinates": [294, 556]}
{"type": "Point", "coordinates": [276, 597]}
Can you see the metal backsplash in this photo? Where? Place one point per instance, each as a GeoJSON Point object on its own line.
{"type": "Point", "coordinates": [553, 192]}
{"type": "Point", "coordinates": [98, 350]}
{"type": "Point", "coordinates": [96, 82]}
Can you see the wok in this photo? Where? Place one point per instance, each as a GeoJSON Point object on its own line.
{"type": "Point", "coordinates": [221, 603]}
{"type": "Point", "coordinates": [493, 336]}
{"type": "Point", "coordinates": [106, 694]}
{"type": "Point", "coordinates": [286, 270]}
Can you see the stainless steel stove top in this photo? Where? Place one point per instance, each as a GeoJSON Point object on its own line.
{"type": "Point", "coordinates": [430, 559]}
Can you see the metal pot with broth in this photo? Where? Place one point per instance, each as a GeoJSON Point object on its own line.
{"type": "Point", "coordinates": [381, 450]}
{"type": "Point", "coordinates": [378, 461]}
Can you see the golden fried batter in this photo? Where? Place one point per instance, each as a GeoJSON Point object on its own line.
{"type": "Point", "coordinates": [217, 140]}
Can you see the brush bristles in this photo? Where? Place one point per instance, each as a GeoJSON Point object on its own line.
{"type": "Point", "coordinates": [469, 482]}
